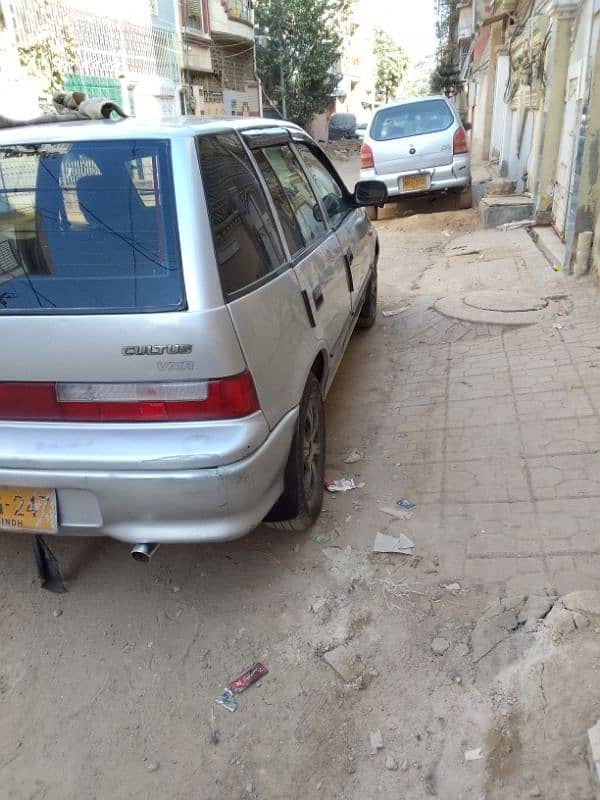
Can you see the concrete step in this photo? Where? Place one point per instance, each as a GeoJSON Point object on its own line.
{"type": "Point", "coordinates": [551, 246]}
{"type": "Point", "coordinates": [500, 209]}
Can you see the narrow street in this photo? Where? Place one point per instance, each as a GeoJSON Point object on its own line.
{"type": "Point", "coordinates": [492, 431]}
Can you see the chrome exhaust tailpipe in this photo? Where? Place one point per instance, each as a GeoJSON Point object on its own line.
{"type": "Point", "coordinates": [144, 551]}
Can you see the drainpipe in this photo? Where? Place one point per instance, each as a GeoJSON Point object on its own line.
{"type": "Point", "coordinates": [256, 78]}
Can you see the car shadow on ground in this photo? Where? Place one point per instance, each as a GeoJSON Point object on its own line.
{"type": "Point", "coordinates": [407, 207]}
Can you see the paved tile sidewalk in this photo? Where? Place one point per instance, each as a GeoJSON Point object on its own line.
{"type": "Point", "coordinates": [498, 429]}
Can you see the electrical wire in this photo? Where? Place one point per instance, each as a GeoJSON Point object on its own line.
{"type": "Point", "coordinates": [233, 55]}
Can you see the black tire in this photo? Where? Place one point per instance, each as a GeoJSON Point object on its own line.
{"type": "Point", "coordinates": [368, 312]}
{"type": "Point", "coordinates": [373, 213]}
{"type": "Point", "coordinates": [300, 504]}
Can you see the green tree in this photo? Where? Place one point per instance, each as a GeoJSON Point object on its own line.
{"type": "Point", "coordinates": [52, 50]}
{"type": "Point", "coordinates": [391, 63]}
{"type": "Point", "coordinates": [298, 48]}
{"type": "Point", "coordinates": [446, 74]}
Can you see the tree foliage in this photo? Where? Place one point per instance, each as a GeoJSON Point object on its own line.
{"type": "Point", "coordinates": [446, 74]}
{"type": "Point", "coordinates": [391, 64]}
{"type": "Point", "coordinates": [51, 51]}
{"type": "Point", "coordinates": [300, 39]}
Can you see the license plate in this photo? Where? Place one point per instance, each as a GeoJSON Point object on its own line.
{"type": "Point", "coordinates": [412, 182]}
{"type": "Point", "coordinates": [28, 510]}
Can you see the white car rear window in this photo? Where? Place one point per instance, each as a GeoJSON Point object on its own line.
{"type": "Point", "coordinates": [88, 227]}
{"type": "Point", "coordinates": [411, 119]}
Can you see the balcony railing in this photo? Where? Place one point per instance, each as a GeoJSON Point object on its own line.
{"type": "Point", "coordinates": [242, 10]}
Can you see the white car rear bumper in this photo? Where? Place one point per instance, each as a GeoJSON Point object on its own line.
{"type": "Point", "coordinates": [456, 175]}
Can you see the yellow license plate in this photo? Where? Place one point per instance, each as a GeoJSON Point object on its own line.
{"type": "Point", "coordinates": [28, 510]}
{"type": "Point", "coordinates": [412, 182]}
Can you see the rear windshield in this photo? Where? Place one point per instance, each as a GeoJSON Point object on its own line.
{"type": "Point", "coordinates": [88, 227]}
{"type": "Point", "coordinates": [411, 119]}
{"type": "Point", "coordinates": [343, 121]}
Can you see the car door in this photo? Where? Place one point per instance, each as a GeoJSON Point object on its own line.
{"type": "Point", "coordinates": [314, 247]}
{"type": "Point", "coordinates": [259, 285]}
{"type": "Point", "coordinates": [353, 230]}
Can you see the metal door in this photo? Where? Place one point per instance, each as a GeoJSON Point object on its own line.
{"type": "Point", "coordinates": [357, 242]}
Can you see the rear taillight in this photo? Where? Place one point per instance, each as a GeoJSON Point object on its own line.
{"type": "Point", "coordinates": [366, 157]}
{"type": "Point", "coordinates": [459, 143]}
{"type": "Point", "coordinates": [226, 398]}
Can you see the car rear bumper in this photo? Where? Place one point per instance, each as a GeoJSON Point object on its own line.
{"type": "Point", "coordinates": [456, 175]}
{"type": "Point", "coordinates": [175, 505]}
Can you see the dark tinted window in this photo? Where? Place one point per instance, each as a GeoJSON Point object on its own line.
{"type": "Point", "coordinates": [295, 201]}
{"type": "Point", "coordinates": [411, 119]}
{"type": "Point", "coordinates": [331, 194]}
{"type": "Point", "coordinates": [346, 121]}
{"type": "Point", "coordinates": [88, 226]}
{"type": "Point", "coordinates": [246, 240]}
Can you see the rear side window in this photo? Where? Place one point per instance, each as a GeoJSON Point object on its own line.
{"type": "Point", "coordinates": [296, 204]}
{"type": "Point", "coordinates": [411, 119]}
{"type": "Point", "coordinates": [246, 241]}
{"type": "Point", "coordinates": [88, 227]}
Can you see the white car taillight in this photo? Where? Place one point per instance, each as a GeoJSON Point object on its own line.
{"type": "Point", "coordinates": [366, 157]}
{"type": "Point", "coordinates": [130, 392]}
{"type": "Point", "coordinates": [222, 398]}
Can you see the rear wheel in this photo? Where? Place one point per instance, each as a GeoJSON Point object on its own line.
{"type": "Point", "coordinates": [368, 312]}
{"type": "Point", "coordinates": [300, 504]}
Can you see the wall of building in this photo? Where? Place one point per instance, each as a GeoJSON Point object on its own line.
{"type": "Point", "coordinates": [122, 42]}
{"type": "Point", "coordinates": [500, 110]}
{"type": "Point", "coordinates": [583, 214]}
{"type": "Point", "coordinates": [356, 91]}
{"type": "Point", "coordinates": [577, 88]}
{"type": "Point", "coordinates": [536, 109]}
{"type": "Point", "coordinates": [19, 93]}
{"type": "Point", "coordinates": [478, 100]}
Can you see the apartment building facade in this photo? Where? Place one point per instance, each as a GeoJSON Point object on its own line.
{"type": "Point", "coordinates": [355, 93]}
{"type": "Point", "coordinates": [218, 62]}
{"type": "Point", "coordinates": [153, 57]}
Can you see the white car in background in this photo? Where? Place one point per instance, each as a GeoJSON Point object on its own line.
{"type": "Point", "coordinates": [418, 146]}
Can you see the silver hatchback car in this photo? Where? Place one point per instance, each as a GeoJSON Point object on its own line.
{"type": "Point", "coordinates": [175, 300]}
{"type": "Point", "coordinates": [418, 146]}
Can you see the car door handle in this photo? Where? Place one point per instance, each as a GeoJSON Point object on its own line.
{"type": "Point", "coordinates": [318, 296]}
{"type": "Point", "coordinates": [348, 259]}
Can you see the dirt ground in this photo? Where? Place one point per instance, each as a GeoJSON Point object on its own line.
{"type": "Point", "coordinates": [108, 691]}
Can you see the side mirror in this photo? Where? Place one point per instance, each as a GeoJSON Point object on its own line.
{"type": "Point", "coordinates": [467, 126]}
{"type": "Point", "coordinates": [370, 193]}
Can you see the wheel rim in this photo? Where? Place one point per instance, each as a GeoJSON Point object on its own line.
{"type": "Point", "coordinates": [312, 447]}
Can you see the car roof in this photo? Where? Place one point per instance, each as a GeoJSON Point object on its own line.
{"type": "Point", "coordinates": [133, 128]}
{"type": "Point", "coordinates": [419, 99]}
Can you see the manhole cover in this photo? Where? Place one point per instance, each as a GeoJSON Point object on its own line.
{"type": "Point", "coordinates": [503, 300]}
